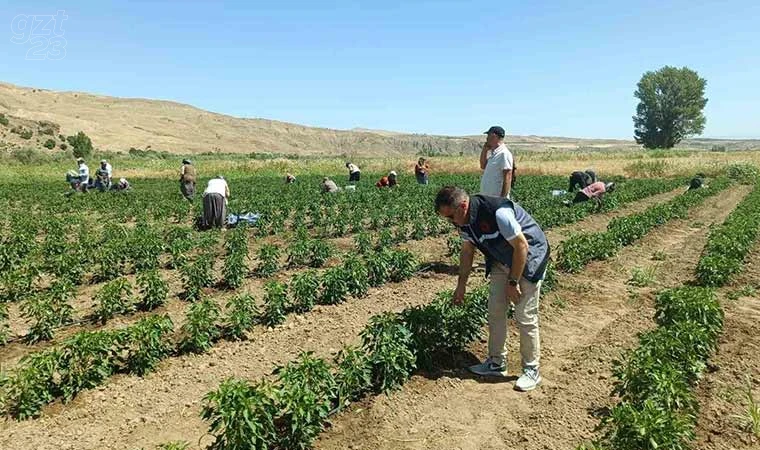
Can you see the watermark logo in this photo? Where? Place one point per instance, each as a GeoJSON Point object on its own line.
{"type": "Point", "coordinates": [44, 34]}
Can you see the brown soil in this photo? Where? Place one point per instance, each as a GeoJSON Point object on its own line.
{"type": "Point", "coordinates": [722, 392]}
{"type": "Point", "coordinates": [591, 318]}
{"type": "Point", "coordinates": [133, 412]}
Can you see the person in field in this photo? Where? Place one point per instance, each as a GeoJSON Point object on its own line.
{"type": "Point", "coordinates": [354, 173]}
{"type": "Point", "coordinates": [289, 178]}
{"type": "Point", "coordinates": [187, 176]}
{"type": "Point", "coordinates": [496, 162]}
{"type": "Point", "coordinates": [84, 175]}
{"type": "Point", "coordinates": [329, 186]}
{"type": "Point", "coordinates": [594, 191]}
{"type": "Point", "coordinates": [103, 176]}
{"type": "Point", "coordinates": [517, 253]}
{"type": "Point", "coordinates": [579, 180]}
{"type": "Point", "coordinates": [421, 171]}
{"type": "Point", "coordinates": [215, 203]}
{"type": "Point", "coordinates": [388, 181]}
{"type": "Point", "coordinates": [697, 182]}
{"type": "Point", "coordinates": [122, 186]}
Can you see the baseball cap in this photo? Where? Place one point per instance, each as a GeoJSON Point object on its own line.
{"type": "Point", "coordinates": [497, 130]}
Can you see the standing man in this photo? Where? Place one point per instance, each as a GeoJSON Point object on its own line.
{"type": "Point", "coordinates": [215, 203]}
{"type": "Point", "coordinates": [421, 171]}
{"type": "Point", "coordinates": [496, 162]}
{"type": "Point", "coordinates": [187, 179]}
{"type": "Point", "coordinates": [517, 254]}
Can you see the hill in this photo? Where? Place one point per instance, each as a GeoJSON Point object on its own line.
{"type": "Point", "coordinates": [118, 124]}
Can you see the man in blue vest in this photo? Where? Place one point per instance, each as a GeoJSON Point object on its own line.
{"type": "Point", "coordinates": [517, 253]}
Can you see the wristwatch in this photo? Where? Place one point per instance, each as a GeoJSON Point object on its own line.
{"type": "Point", "coordinates": [514, 281]}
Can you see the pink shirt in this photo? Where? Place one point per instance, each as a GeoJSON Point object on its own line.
{"type": "Point", "coordinates": [594, 189]}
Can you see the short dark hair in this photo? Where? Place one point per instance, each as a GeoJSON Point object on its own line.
{"type": "Point", "coordinates": [449, 196]}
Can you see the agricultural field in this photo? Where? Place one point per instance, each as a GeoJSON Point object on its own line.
{"type": "Point", "coordinates": [328, 324]}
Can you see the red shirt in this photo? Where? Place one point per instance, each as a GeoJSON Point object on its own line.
{"type": "Point", "coordinates": [383, 182]}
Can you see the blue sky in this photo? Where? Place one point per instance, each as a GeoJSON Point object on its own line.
{"type": "Point", "coordinates": [442, 67]}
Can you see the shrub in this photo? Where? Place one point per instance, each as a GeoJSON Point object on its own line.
{"type": "Point", "coordinates": [201, 329]}
{"type": "Point", "coordinates": [49, 144]}
{"type": "Point", "coordinates": [242, 313]}
{"type": "Point", "coordinates": [81, 145]}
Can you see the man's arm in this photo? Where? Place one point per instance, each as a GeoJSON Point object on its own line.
{"type": "Point", "coordinates": [507, 184]}
{"type": "Point", "coordinates": [484, 157]}
{"type": "Point", "coordinates": [465, 267]}
{"type": "Point", "coordinates": [519, 256]}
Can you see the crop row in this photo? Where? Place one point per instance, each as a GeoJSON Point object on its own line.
{"type": "Point", "coordinates": [658, 408]}
{"type": "Point", "coordinates": [729, 243]}
{"type": "Point", "coordinates": [582, 248]}
{"type": "Point", "coordinates": [89, 357]}
{"type": "Point", "coordinates": [290, 411]}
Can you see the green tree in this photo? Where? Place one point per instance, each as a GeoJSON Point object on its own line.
{"type": "Point", "coordinates": [670, 107]}
{"type": "Point", "coordinates": [81, 145]}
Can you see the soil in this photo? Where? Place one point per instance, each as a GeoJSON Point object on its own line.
{"type": "Point", "coordinates": [586, 321]}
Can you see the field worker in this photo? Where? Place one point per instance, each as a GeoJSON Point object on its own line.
{"type": "Point", "coordinates": [215, 203]}
{"type": "Point", "coordinates": [329, 186]}
{"type": "Point", "coordinates": [497, 162]}
{"type": "Point", "coordinates": [421, 171]}
{"type": "Point", "coordinates": [72, 177]}
{"type": "Point", "coordinates": [122, 185]}
{"type": "Point", "coordinates": [580, 179]}
{"type": "Point", "coordinates": [389, 181]}
{"type": "Point", "coordinates": [289, 178]}
{"type": "Point", "coordinates": [593, 191]}
{"type": "Point", "coordinates": [697, 182]}
{"type": "Point", "coordinates": [103, 176]}
{"type": "Point", "coordinates": [516, 252]}
{"type": "Point", "coordinates": [84, 175]}
{"type": "Point", "coordinates": [354, 174]}
{"type": "Point", "coordinates": [187, 176]}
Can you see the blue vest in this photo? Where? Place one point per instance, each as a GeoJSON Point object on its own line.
{"type": "Point", "coordinates": [484, 232]}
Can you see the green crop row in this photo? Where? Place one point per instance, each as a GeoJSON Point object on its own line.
{"type": "Point", "coordinates": [658, 408]}
{"type": "Point", "coordinates": [582, 248]}
{"type": "Point", "coordinates": [728, 244]}
{"type": "Point", "coordinates": [290, 411]}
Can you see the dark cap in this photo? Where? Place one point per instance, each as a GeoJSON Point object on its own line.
{"type": "Point", "coordinates": [498, 131]}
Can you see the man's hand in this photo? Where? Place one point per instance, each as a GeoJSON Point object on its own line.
{"type": "Point", "coordinates": [458, 295]}
{"type": "Point", "coordinates": [513, 293]}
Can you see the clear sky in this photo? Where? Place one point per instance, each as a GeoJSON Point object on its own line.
{"type": "Point", "coordinates": [561, 68]}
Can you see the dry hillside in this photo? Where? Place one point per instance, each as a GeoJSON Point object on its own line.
{"type": "Point", "coordinates": [117, 124]}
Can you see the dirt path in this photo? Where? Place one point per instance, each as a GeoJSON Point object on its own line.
{"type": "Point", "coordinates": [133, 412]}
{"type": "Point", "coordinates": [722, 391]}
{"type": "Point", "coordinates": [601, 315]}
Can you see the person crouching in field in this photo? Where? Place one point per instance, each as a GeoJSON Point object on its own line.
{"type": "Point", "coordinates": [593, 191]}
{"type": "Point", "coordinates": [215, 203]}
{"type": "Point", "coordinates": [421, 171]}
{"type": "Point", "coordinates": [389, 181]}
{"type": "Point", "coordinates": [517, 254]}
{"type": "Point", "coordinates": [579, 180]}
{"type": "Point", "coordinates": [187, 176]}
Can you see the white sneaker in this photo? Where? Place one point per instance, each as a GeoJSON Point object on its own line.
{"type": "Point", "coordinates": [529, 380]}
{"type": "Point", "coordinates": [489, 368]}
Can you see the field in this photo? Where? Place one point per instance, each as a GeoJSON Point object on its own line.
{"type": "Point", "coordinates": [328, 325]}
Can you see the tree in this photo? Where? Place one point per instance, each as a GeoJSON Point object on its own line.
{"type": "Point", "coordinates": [670, 107]}
{"type": "Point", "coordinates": [81, 145]}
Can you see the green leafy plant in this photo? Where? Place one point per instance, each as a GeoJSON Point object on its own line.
{"type": "Point", "coordinates": [153, 288]}
{"type": "Point", "coordinates": [196, 276]}
{"type": "Point", "coordinates": [113, 298]}
{"type": "Point", "coordinates": [335, 287]}
{"type": "Point", "coordinates": [403, 265]}
{"type": "Point", "coordinates": [305, 291]}
{"type": "Point", "coordinates": [363, 242]}
{"type": "Point", "coordinates": [642, 277]}
{"type": "Point", "coordinates": [354, 374]}
{"type": "Point", "coordinates": [356, 276]}
{"type": "Point", "coordinates": [389, 345]}
{"type": "Point", "coordinates": [147, 344]}
{"type": "Point", "coordinates": [321, 251]}
{"type": "Point", "coordinates": [268, 256]}
{"type": "Point", "coordinates": [85, 360]}
{"type": "Point", "coordinates": [201, 329]}
{"type": "Point", "coordinates": [242, 314]}
{"type": "Point", "coordinates": [174, 445]}
{"type": "Point", "coordinates": [275, 303]}
{"type": "Point", "coordinates": [242, 416]}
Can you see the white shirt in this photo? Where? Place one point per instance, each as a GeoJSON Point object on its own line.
{"type": "Point", "coordinates": [352, 168]}
{"type": "Point", "coordinates": [84, 172]}
{"type": "Point", "coordinates": [109, 169]}
{"type": "Point", "coordinates": [492, 180]}
{"type": "Point", "coordinates": [216, 186]}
